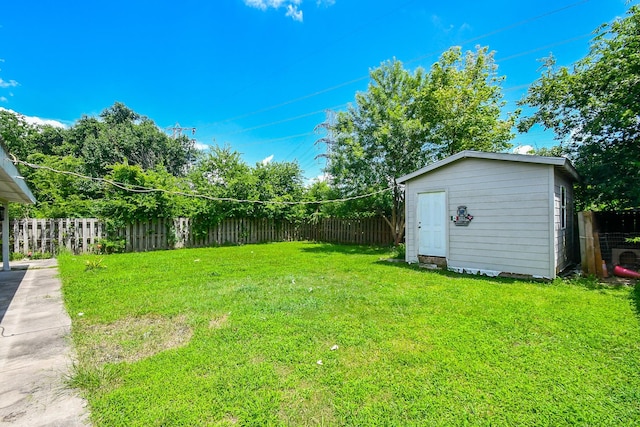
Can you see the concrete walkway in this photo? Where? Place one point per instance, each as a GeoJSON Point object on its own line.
{"type": "Point", "coordinates": [35, 350]}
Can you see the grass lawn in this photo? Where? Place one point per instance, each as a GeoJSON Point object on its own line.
{"type": "Point", "coordinates": [316, 334]}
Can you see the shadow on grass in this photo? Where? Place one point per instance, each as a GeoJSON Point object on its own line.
{"type": "Point", "coordinates": [635, 296]}
{"type": "Point", "coordinates": [346, 249]}
{"type": "Point", "coordinates": [451, 274]}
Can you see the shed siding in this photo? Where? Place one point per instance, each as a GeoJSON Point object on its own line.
{"type": "Point", "coordinates": [563, 238]}
{"type": "Point", "coordinates": [510, 205]}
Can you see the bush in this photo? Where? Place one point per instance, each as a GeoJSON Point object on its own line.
{"type": "Point", "coordinates": [400, 251]}
{"type": "Point", "coordinates": [41, 255]}
{"type": "Point", "coordinates": [108, 246]}
{"type": "Point", "coordinates": [16, 256]}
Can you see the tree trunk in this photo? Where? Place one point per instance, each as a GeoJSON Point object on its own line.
{"type": "Point", "coordinates": [396, 223]}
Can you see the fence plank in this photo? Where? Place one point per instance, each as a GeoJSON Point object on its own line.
{"type": "Point", "coordinates": [80, 235]}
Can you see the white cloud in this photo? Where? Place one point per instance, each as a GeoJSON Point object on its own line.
{"type": "Point", "coordinates": [325, 177]}
{"type": "Point", "coordinates": [3, 99]}
{"type": "Point", "coordinates": [10, 83]}
{"type": "Point", "coordinates": [292, 7]}
{"type": "Point", "coordinates": [258, 4]}
{"type": "Point", "coordinates": [37, 121]}
{"type": "Point", "coordinates": [294, 13]}
{"type": "Point", "coordinates": [325, 3]}
{"type": "Point", "coordinates": [523, 149]}
{"type": "Point", "coordinates": [267, 160]}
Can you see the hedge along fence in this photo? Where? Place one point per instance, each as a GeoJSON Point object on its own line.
{"type": "Point", "coordinates": [84, 235]}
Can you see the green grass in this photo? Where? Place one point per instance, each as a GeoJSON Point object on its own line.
{"type": "Point", "coordinates": [233, 336]}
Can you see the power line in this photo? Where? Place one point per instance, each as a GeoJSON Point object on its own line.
{"type": "Point", "coordinates": [516, 55]}
{"type": "Point", "coordinates": [302, 116]}
{"type": "Point", "coordinates": [421, 57]}
{"type": "Point", "coordinates": [385, 16]}
{"type": "Point", "coordinates": [267, 141]}
{"type": "Point", "coordinates": [529, 52]}
{"type": "Point", "coordinates": [146, 190]}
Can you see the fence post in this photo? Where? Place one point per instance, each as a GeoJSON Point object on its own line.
{"type": "Point", "coordinates": [587, 249]}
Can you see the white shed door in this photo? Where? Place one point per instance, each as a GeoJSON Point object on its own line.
{"type": "Point", "coordinates": [432, 224]}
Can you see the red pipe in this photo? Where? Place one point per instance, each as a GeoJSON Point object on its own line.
{"type": "Point", "coordinates": [625, 272]}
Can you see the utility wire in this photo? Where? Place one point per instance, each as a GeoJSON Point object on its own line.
{"type": "Point", "coordinates": [285, 120]}
{"type": "Point", "coordinates": [500, 60]}
{"type": "Point", "coordinates": [146, 190]}
{"type": "Point", "coordinates": [421, 57]}
{"type": "Point", "coordinates": [507, 58]}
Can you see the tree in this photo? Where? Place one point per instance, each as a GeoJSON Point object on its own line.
{"type": "Point", "coordinates": [18, 135]}
{"type": "Point", "coordinates": [595, 108]}
{"type": "Point", "coordinates": [140, 195]}
{"type": "Point", "coordinates": [463, 104]}
{"type": "Point", "coordinates": [123, 135]}
{"type": "Point", "coordinates": [405, 121]}
{"type": "Point", "coordinates": [61, 195]}
{"type": "Point", "coordinates": [278, 182]}
{"type": "Point", "coordinates": [220, 173]}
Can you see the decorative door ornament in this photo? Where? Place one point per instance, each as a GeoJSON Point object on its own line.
{"type": "Point", "coordinates": [462, 217]}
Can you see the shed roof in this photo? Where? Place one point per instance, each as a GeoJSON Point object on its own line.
{"type": "Point", "coordinates": [560, 163]}
{"type": "Point", "coordinates": [12, 185]}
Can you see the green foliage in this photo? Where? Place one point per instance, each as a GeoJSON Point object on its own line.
{"type": "Point", "coordinates": [125, 136]}
{"type": "Point", "coordinates": [245, 327]}
{"type": "Point", "coordinates": [555, 151]}
{"type": "Point", "coordinates": [401, 251]}
{"type": "Point", "coordinates": [41, 255]}
{"type": "Point", "coordinates": [278, 182]}
{"type": "Point", "coordinates": [595, 107]}
{"type": "Point", "coordinates": [110, 246]}
{"type": "Point", "coordinates": [221, 173]}
{"type": "Point", "coordinates": [22, 138]}
{"type": "Point", "coordinates": [61, 195]}
{"type": "Point", "coordinates": [405, 121]}
{"type": "Point", "coordinates": [94, 264]}
{"type": "Point", "coordinates": [99, 148]}
{"type": "Point", "coordinates": [462, 104]}
{"type": "Point", "coordinates": [140, 195]}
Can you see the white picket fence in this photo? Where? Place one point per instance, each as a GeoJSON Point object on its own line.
{"type": "Point", "coordinates": [82, 235]}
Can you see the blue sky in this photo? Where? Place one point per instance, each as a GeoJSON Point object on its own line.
{"type": "Point", "coordinates": [258, 74]}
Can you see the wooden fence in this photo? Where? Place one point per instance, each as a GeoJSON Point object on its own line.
{"type": "Point", "coordinates": [83, 235]}
{"type": "Point", "coordinates": [49, 235]}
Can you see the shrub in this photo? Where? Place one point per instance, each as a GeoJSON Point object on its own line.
{"type": "Point", "coordinates": [108, 246]}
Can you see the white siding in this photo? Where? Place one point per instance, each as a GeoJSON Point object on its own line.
{"type": "Point", "coordinates": [563, 238]}
{"type": "Point", "coordinates": [510, 204]}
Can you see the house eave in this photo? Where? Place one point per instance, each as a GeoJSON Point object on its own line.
{"type": "Point", "coordinates": [13, 188]}
{"type": "Point", "coordinates": [560, 163]}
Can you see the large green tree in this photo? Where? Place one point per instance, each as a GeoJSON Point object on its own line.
{"type": "Point", "coordinates": [123, 135]}
{"type": "Point", "coordinates": [406, 120]}
{"type": "Point", "coordinates": [594, 109]}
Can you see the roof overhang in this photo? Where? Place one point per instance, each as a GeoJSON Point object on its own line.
{"type": "Point", "coordinates": [560, 163]}
{"type": "Point", "coordinates": [13, 188]}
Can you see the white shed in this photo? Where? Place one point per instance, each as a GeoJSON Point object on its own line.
{"type": "Point", "coordinates": [492, 213]}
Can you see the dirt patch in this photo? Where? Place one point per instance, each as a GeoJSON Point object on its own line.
{"type": "Point", "coordinates": [133, 338]}
{"type": "Point", "coordinates": [218, 322]}
{"type": "Point", "coordinates": [307, 405]}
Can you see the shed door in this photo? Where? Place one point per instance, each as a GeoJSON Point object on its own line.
{"type": "Point", "coordinates": [432, 224]}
